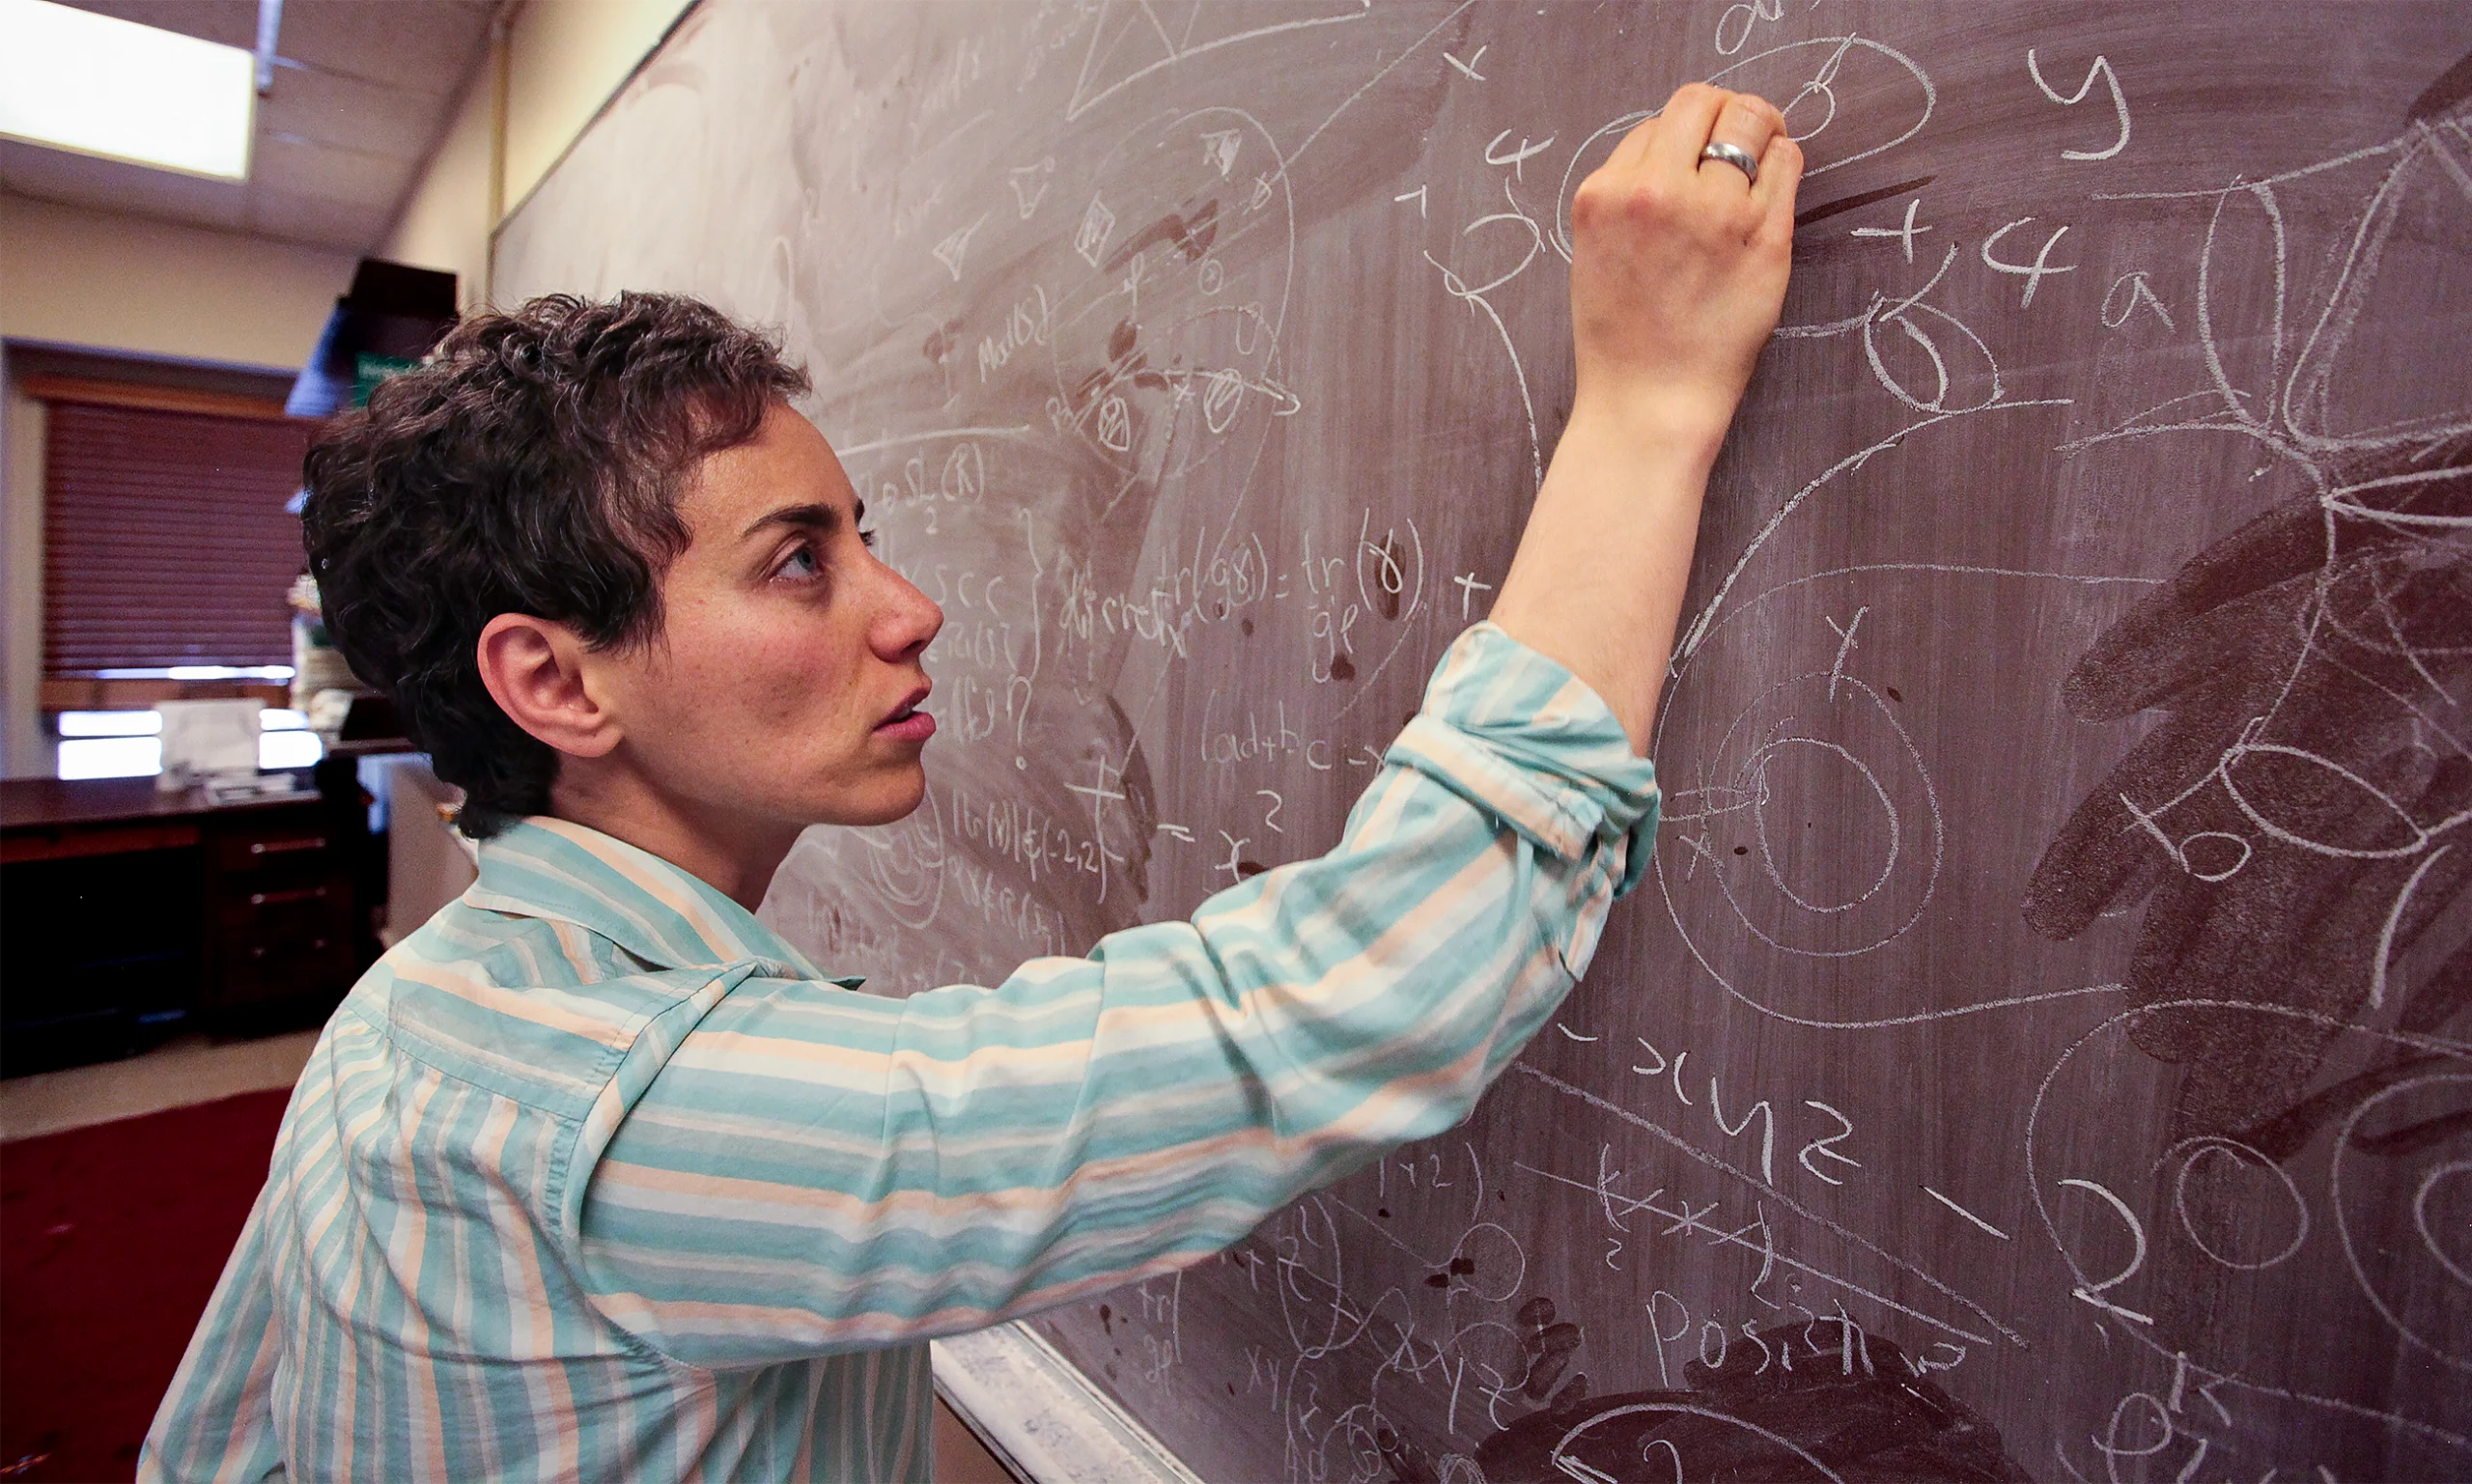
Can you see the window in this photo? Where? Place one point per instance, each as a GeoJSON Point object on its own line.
{"type": "Point", "coordinates": [166, 542]}
{"type": "Point", "coordinates": [128, 743]}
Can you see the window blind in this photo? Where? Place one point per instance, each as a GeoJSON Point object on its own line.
{"type": "Point", "coordinates": [165, 537]}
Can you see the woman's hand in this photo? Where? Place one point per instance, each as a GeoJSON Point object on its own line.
{"type": "Point", "coordinates": [1678, 264]}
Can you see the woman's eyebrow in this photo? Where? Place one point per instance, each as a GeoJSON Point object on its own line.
{"type": "Point", "coordinates": [815, 516]}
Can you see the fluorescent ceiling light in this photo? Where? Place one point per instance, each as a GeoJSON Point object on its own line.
{"type": "Point", "coordinates": [103, 86]}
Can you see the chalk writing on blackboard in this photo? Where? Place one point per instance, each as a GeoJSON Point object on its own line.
{"type": "Point", "coordinates": [2041, 1034]}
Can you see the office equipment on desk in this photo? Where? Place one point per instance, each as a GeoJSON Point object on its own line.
{"type": "Point", "coordinates": [2040, 1030]}
{"type": "Point", "coordinates": [247, 788]}
{"type": "Point", "coordinates": [208, 742]}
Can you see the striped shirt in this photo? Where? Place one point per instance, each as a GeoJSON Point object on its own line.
{"type": "Point", "coordinates": [593, 1176]}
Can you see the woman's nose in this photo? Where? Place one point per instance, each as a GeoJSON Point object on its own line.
{"type": "Point", "coordinates": [908, 620]}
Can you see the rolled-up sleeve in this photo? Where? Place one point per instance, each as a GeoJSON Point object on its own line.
{"type": "Point", "coordinates": [813, 1169]}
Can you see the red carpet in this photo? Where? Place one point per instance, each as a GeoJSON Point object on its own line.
{"type": "Point", "coordinates": [111, 1237]}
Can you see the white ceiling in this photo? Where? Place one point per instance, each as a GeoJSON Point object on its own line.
{"type": "Point", "coordinates": [361, 96]}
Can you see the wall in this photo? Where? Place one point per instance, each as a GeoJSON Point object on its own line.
{"type": "Point", "coordinates": [555, 62]}
{"type": "Point", "coordinates": [73, 276]}
{"type": "Point", "coordinates": [445, 222]}
{"type": "Point", "coordinates": [565, 59]}
{"type": "Point", "coordinates": [25, 751]}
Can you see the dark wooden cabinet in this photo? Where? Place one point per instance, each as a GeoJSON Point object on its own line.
{"type": "Point", "coordinates": [126, 915]}
{"type": "Point", "coordinates": [278, 912]}
{"type": "Point", "coordinates": [98, 953]}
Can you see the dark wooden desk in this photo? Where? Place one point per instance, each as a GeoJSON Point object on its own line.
{"type": "Point", "coordinates": [127, 914]}
{"type": "Point", "coordinates": [41, 818]}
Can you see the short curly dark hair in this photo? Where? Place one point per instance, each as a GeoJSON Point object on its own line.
{"type": "Point", "coordinates": [532, 466]}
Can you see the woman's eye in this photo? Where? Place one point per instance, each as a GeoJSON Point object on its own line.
{"type": "Point", "coordinates": [800, 563]}
{"type": "Point", "coordinates": [867, 539]}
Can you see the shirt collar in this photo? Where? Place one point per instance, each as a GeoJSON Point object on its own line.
{"type": "Point", "coordinates": [668, 917]}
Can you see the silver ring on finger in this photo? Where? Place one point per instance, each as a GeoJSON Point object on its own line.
{"type": "Point", "coordinates": [1733, 154]}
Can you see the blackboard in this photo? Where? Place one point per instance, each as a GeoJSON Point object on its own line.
{"type": "Point", "coordinates": [2040, 1048]}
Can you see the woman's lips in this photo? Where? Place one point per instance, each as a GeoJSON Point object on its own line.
{"type": "Point", "coordinates": [908, 723]}
{"type": "Point", "coordinates": [915, 726]}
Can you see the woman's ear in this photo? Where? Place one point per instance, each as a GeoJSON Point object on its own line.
{"type": "Point", "coordinates": [536, 671]}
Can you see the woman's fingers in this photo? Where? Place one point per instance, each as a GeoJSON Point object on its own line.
{"type": "Point", "coordinates": [1697, 115]}
{"type": "Point", "coordinates": [1746, 122]}
{"type": "Point", "coordinates": [1781, 172]}
{"type": "Point", "coordinates": [1683, 127]}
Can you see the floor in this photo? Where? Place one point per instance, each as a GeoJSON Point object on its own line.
{"type": "Point", "coordinates": [196, 1070]}
{"type": "Point", "coordinates": [174, 1075]}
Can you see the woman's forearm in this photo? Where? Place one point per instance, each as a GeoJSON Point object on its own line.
{"type": "Point", "coordinates": [1598, 579]}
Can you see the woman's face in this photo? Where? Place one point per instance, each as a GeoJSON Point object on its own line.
{"type": "Point", "coordinates": [785, 688]}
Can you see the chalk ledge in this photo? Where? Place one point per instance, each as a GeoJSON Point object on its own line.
{"type": "Point", "coordinates": [1042, 1417]}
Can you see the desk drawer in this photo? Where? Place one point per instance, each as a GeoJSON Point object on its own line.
{"type": "Point", "coordinates": [274, 903]}
{"type": "Point", "coordinates": [291, 848]}
{"type": "Point", "coordinates": [282, 968]}
{"type": "Point", "coordinates": [280, 933]}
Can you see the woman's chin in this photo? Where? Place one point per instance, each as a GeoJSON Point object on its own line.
{"type": "Point", "coordinates": [892, 797]}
